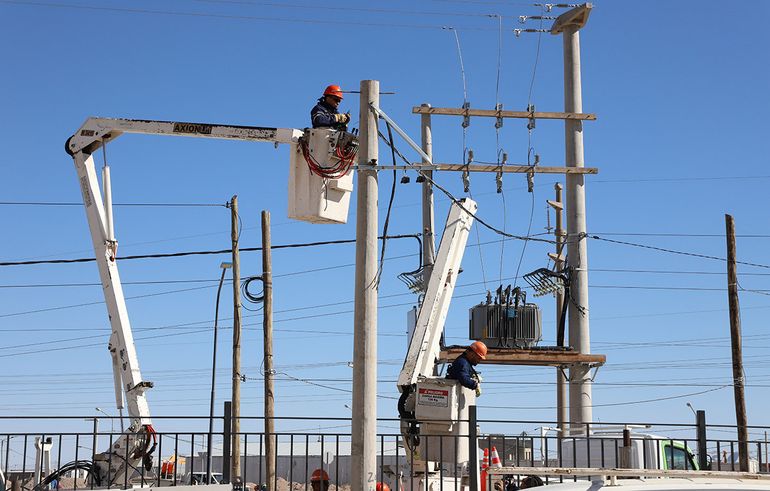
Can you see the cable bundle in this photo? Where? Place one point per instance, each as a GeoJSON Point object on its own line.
{"type": "Point", "coordinates": [346, 158]}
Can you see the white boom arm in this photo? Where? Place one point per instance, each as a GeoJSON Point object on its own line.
{"type": "Point", "coordinates": [115, 466]}
{"type": "Point", "coordinates": [424, 346]}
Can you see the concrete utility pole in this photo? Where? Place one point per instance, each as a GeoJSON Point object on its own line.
{"type": "Point", "coordinates": [737, 350]}
{"type": "Point", "coordinates": [267, 325]}
{"type": "Point", "coordinates": [364, 428]}
{"type": "Point", "coordinates": [236, 426]}
{"type": "Point", "coordinates": [428, 239]}
{"type": "Point", "coordinates": [562, 411]}
{"type": "Point", "coordinates": [569, 24]}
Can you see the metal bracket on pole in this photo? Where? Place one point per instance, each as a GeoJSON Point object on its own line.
{"type": "Point", "coordinates": [596, 370]}
{"type": "Point", "coordinates": [401, 132]}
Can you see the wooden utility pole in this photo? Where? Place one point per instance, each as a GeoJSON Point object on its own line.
{"type": "Point", "coordinates": [267, 326]}
{"type": "Point", "coordinates": [428, 239]}
{"type": "Point", "coordinates": [364, 425]}
{"type": "Point", "coordinates": [737, 351]}
{"type": "Point", "coordinates": [236, 427]}
{"type": "Point", "coordinates": [562, 411]}
{"type": "Point", "coordinates": [580, 398]}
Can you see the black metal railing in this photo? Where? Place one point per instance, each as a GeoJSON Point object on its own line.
{"type": "Point", "coordinates": [184, 455]}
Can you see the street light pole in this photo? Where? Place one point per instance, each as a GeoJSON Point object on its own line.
{"type": "Point", "coordinates": [112, 420]}
{"type": "Point", "coordinates": [225, 266]}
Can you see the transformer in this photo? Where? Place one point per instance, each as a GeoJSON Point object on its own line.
{"type": "Point", "coordinates": [506, 326]}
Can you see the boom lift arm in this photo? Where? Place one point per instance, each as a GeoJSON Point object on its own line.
{"type": "Point", "coordinates": [424, 346]}
{"type": "Point", "coordinates": [116, 466]}
{"type": "Point", "coordinates": [425, 343]}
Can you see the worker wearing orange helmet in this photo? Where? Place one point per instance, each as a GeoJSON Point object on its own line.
{"type": "Point", "coordinates": [319, 481]}
{"type": "Point", "coordinates": [462, 368]}
{"type": "Point", "coordinates": [325, 113]}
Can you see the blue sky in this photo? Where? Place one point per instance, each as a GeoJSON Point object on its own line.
{"type": "Point", "coordinates": [679, 89]}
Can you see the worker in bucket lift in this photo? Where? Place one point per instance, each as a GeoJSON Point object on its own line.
{"type": "Point", "coordinates": [319, 481]}
{"type": "Point", "coordinates": [325, 113]}
{"type": "Point", "coordinates": [462, 368]}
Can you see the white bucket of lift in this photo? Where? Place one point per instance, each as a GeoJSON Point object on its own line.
{"type": "Point", "coordinates": [313, 198]}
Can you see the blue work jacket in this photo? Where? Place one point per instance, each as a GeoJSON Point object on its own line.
{"type": "Point", "coordinates": [322, 116]}
{"type": "Point", "coordinates": [462, 371]}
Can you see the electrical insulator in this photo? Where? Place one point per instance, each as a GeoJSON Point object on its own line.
{"type": "Point", "coordinates": [531, 111]}
{"type": "Point", "coordinates": [466, 118]}
{"type": "Point", "coordinates": [499, 176]}
{"type": "Point", "coordinates": [466, 174]}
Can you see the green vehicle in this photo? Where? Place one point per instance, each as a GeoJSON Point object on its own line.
{"type": "Point", "coordinates": [603, 450]}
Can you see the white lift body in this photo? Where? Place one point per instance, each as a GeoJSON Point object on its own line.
{"type": "Point", "coordinates": [434, 409]}
{"type": "Point", "coordinates": [117, 465]}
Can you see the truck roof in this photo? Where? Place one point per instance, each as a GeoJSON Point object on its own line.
{"type": "Point", "coordinates": [666, 484]}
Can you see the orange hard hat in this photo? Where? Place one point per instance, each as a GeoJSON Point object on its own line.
{"type": "Point", "coordinates": [381, 486]}
{"type": "Point", "coordinates": [479, 348]}
{"type": "Point", "coordinates": [319, 475]}
{"type": "Point", "coordinates": [334, 90]}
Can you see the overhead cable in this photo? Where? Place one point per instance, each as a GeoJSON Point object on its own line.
{"type": "Point", "coordinates": [196, 253]}
{"type": "Point", "coordinates": [672, 251]}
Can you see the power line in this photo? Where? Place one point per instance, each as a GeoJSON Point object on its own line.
{"type": "Point", "coordinates": [344, 9]}
{"type": "Point", "coordinates": [253, 18]}
{"type": "Point", "coordinates": [661, 234]}
{"type": "Point", "coordinates": [156, 205]}
{"type": "Point", "coordinates": [198, 253]}
{"type": "Point", "coordinates": [672, 251]}
{"type": "Point", "coordinates": [626, 403]}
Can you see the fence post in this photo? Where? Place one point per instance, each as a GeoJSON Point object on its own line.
{"type": "Point", "coordinates": [700, 420]}
{"type": "Point", "coordinates": [473, 445]}
{"type": "Point", "coordinates": [227, 426]}
{"type": "Point", "coordinates": [626, 451]}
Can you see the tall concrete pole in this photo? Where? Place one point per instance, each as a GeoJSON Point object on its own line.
{"type": "Point", "coordinates": [236, 426]}
{"type": "Point", "coordinates": [737, 349]}
{"type": "Point", "coordinates": [267, 327]}
{"type": "Point", "coordinates": [580, 399]}
{"type": "Point", "coordinates": [364, 428]}
{"type": "Point", "coordinates": [428, 239]}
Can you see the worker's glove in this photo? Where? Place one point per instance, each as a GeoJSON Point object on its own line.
{"type": "Point", "coordinates": [478, 378]}
{"type": "Point", "coordinates": [342, 118]}
{"type": "Point", "coordinates": [478, 391]}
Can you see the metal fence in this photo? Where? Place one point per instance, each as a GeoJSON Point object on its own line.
{"type": "Point", "coordinates": [306, 444]}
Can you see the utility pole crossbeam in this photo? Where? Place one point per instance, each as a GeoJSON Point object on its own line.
{"type": "Point", "coordinates": [492, 113]}
{"type": "Point", "coordinates": [580, 397]}
{"type": "Point", "coordinates": [515, 169]}
{"type": "Point", "coordinates": [364, 424]}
